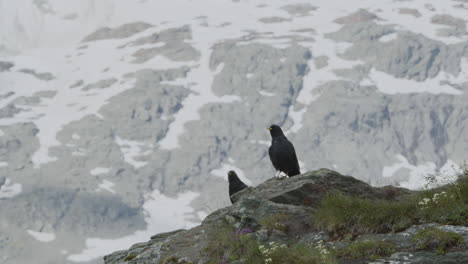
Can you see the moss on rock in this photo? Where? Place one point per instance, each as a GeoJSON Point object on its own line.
{"type": "Point", "coordinates": [433, 238]}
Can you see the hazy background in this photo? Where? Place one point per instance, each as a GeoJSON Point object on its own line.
{"type": "Point", "coordinates": [120, 119]}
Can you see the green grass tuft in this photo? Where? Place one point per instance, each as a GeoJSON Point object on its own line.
{"type": "Point", "coordinates": [130, 257]}
{"type": "Point", "coordinates": [170, 260]}
{"type": "Point", "coordinates": [447, 204]}
{"type": "Point", "coordinates": [299, 254]}
{"type": "Point", "coordinates": [226, 244]}
{"type": "Point", "coordinates": [433, 238]}
{"type": "Point", "coordinates": [370, 249]}
{"type": "Point", "coordinates": [174, 260]}
{"type": "Point", "coordinates": [276, 221]}
{"type": "Point", "coordinates": [342, 215]}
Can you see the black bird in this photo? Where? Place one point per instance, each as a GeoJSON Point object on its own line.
{"type": "Point", "coordinates": [282, 153]}
{"type": "Point", "coordinates": [235, 184]}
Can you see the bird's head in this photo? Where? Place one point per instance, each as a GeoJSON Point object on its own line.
{"type": "Point", "coordinates": [232, 176]}
{"type": "Point", "coordinates": [275, 131]}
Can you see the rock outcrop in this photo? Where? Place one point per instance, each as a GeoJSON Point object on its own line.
{"type": "Point", "coordinates": [296, 199]}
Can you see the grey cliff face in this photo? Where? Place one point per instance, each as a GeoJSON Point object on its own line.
{"type": "Point", "coordinates": [175, 46]}
{"type": "Point", "coordinates": [46, 76]}
{"type": "Point", "coordinates": [123, 31]}
{"type": "Point", "coordinates": [357, 17]}
{"type": "Point", "coordinates": [408, 56]}
{"type": "Point", "coordinates": [102, 84]}
{"type": "Point", "coordinates": [456, 26]}
{"type": "Point", "coordinates": [5, 66]}
{"type": "Point", "coordinates": [422, 134]}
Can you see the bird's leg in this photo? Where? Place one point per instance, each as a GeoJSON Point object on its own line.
{"type": "Point", "coordinates": [277, 175]}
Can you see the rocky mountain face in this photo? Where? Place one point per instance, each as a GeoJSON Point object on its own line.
{"type": "Point", "coordinates": [256, 213]}
{"type": "Point", "coordinates": [115, 116]}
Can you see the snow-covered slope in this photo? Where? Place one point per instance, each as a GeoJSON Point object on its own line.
{"type": "Point", "coordinates": [123, 115]}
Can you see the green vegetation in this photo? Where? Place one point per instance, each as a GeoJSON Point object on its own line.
{"type": "Point", "coordinates": [227, 244]}
{"type": "Point", "coordinates": [342, 215]}
{"type": "Point", "coordinates": [297, 254]}
{"type": "Point", "coordinates": [170, 260]}
{"type": "Point", "coordinates": [433, 238]}
{"type": "Point", "coordinates": [276, 221]}
{"type": "Point", "coordinates": [370, 249]}
{"type": "Point", "coordinates": [130, 257]}
{"type": "Point", "coordinates": [174, 260]}
{"type": "Point", "coordinates": [447, 204]}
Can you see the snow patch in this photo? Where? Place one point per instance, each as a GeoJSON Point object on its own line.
{"type": "Point", "coordinates": [99, 170]}
{"type": "Point", "coordinates": [76, 137]}
{"type": "Point", "coordinates": [3, 164]}
{"type": "Point", "coordinates": [265, 93]}
{"type": "Point", "coordinates": [225, 168]}
{"type": "Point", "coordinates": [132, 150]}
{"type": "Point", "coordinates": [9, 189]}
{"type": "Point", "coordinates": [199, 80]}
{"type": "Point", "coordinates": [42, 236]}
{"type": "Point", "coordinates": [71, 104]}
{"type": "Point", "coordinates": [388, 12]}
{"type": "Point", "coordinates": [316, 77]}
{"type": "Point", "coordinates": [389, 84]}
{"type": "Point", "coordinates": [48, 29]}
{"type": "Point", "coordinates": [202, 215]}
{"type": "Point", "coordinates": [79, 152]}
{"type": "Point", "coordinates": [418, 173]}
{"type": "Point", "coordinates": [296, 116]}
{"type": "Point", "coordinates": [388, 37]}
{"type": "Point", "coordinates": [261, 142]}
{"type": "Point", "coordinates": [162, 214]}
{"type": "Point", "coordinates": [302, 166]}
{"type": "Point", "coordinates": [1, 133]}
{"type": "Point", "coordinates": [106, 185]}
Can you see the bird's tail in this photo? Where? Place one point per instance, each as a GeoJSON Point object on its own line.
{"type": "Point", "coordinates": [294, 172]}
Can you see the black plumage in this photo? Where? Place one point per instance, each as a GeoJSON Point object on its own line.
{"type": "Point", "coordinates": [235, 184]}
{"type": "Point", "coordinates": [282, 153]}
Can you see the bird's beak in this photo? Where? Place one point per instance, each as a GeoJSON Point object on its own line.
{"type": "Point", "coordinates": [269, 128]}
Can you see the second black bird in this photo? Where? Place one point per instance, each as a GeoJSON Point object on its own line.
{"type": "Point", "coordinates": [282, 153]}
{"type": "Point", "coordinates": [235, 184]}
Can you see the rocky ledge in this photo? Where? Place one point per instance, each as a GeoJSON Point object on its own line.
{"type": "Point", "coordinates": [320, 217]}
